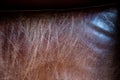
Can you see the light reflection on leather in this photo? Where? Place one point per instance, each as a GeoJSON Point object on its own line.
{"type": "Point", "coordinates": [99, 31]}
{"type": "Point", "coordinates": [106, 20]}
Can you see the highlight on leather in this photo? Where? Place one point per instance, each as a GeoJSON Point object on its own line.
{"type": "Point", "coordinates": [58, 46]}
{"type": "Point", "coordinates": [101, 30]}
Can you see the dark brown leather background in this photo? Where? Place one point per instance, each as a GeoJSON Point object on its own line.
{"type": "Point", "coordinates": [50, 4]}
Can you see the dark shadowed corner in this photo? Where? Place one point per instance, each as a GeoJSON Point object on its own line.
{"type": "Point", "coordinates": [116, 61]}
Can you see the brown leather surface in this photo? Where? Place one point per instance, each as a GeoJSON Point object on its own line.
{"type": "Point", "coordinates": [55, 42]}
